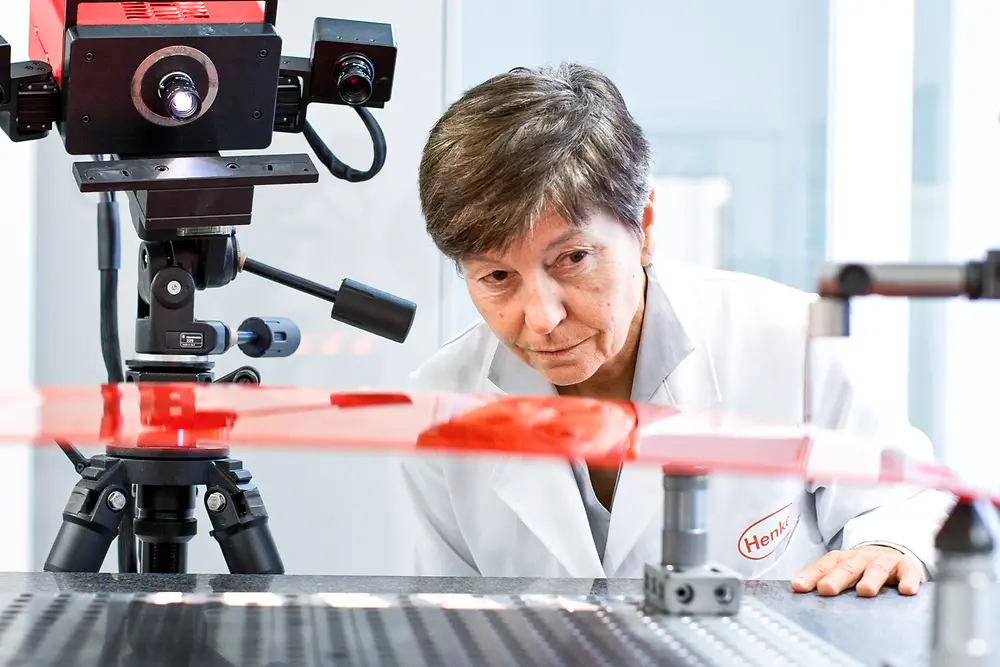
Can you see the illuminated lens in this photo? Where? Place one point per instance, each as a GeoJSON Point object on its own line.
{"type": "Point", "coordinates": [183, 104]}
{"type": "Point", "coordinates": [181, 96]}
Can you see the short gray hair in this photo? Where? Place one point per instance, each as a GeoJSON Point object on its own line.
{"type": "Point", "coordinates": [560, 137]}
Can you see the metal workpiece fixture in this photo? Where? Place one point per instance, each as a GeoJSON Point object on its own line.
{"type": "Point", "coordinates": [962, 632]}
{"type": "Point", "coordinates": [966, 570]}
{"type": "Point", "coordinates": [686, 582]}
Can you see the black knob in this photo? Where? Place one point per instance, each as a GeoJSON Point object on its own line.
{"type": "Point", "coordinates": [269, 337]}
{"type": "Point", "coordinates": [374, 311]}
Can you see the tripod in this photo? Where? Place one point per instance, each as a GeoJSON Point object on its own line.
{"type": "Point", "coordinates": [146, 494]}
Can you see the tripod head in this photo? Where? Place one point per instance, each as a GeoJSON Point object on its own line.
{"type": "Point", "coordinates": [155, 92]}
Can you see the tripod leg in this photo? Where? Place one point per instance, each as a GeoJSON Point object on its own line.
{"type": "Point", "coordinates": [239, 520]}
{"type": "Point", "coordinates": [90, 520]}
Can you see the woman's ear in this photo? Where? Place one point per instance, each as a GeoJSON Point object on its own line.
{"type": "Point", "coordinates": [648, 240]}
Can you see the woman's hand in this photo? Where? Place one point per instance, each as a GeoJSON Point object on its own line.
{"type": "Point", "coordinates": [866, 568]}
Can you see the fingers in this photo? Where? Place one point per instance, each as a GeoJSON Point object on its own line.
{"type": "Point", "coordinates": [807, 579]}
{"type": "Point", "coordinates": [845, 575]}
{"type": "Point", "coordinates": [866, 569]}
{"type": "Point", "coordinates": [910, 573]}
{"type": "Point", "coordinates": [881, 569]}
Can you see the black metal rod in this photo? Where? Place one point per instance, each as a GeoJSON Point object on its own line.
{"type": "Point", "coordinates": [898, 280]}
{"type": "Point", "coordinates": [289, 280]}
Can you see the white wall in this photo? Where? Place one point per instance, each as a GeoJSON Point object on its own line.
{"type": "Point", "coordinates": [971, 226]}
{"type": "Point", "coordinates": [17, 225]}
{"type": "Point", "coordinates": [870, 157]}
{"type": "Point", "coordinates": [725, 90]}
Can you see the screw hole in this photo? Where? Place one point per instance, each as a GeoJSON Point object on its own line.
{"type": "Point", "coordinates": [233, 165]}
{"type": "Point", "coordinates": [270, 167]}
{"type": "Point", "coordinates": [161, 168]}
{"type": "Point", "coordinates": [684, 594]}
{"type": "Point", "coordinates": [723, 594]}
{"type": "Point", "coordinates": [125, 172]}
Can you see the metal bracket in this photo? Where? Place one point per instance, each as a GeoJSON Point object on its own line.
{"type": "Point", "coordinates": [707, 591]}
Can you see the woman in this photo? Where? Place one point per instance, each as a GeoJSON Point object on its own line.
{"type": "Point", "coordinates": [537, 183]}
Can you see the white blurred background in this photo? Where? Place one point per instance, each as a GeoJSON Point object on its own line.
{"type": "Point", "coordinates": [785, 133]}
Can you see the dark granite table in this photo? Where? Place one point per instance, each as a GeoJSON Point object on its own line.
{"type": "Point", "coordinates": [889, 629]}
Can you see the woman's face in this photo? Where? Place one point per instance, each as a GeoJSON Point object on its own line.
{"type": "Point", "coordinates": [564, 299]}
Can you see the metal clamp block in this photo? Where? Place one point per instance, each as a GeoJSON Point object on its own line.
{"type": "Point", "coordinates": [713, 590]}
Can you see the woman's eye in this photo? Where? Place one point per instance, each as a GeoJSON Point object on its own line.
{"type": "Point", "coordinates": [497, 276]}
{"type": "Point", "coordinates": [573, 258]}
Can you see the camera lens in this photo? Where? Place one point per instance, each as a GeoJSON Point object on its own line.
{"type": "Point", "coordinates": [354, 80]}
{"type": "Point", "coordinates": [180, 95]}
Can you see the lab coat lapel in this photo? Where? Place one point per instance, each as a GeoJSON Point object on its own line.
{"type": "Point", "coordinates": [674, 367]}
{"type": "Point", "coordinates": [692, 384]}
{"type": "Point", "coordinates": [543, 494]}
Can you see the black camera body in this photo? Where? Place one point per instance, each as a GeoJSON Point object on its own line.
{"type": "Point", "coordinates": [353, 62]}
{"type": "Point", "coordinates": [117, 101]}
{"type": "Point", "coordinates": [172, 79]}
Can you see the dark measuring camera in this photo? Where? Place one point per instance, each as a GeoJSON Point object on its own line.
{"type": "Point", "coordinates": [154, 92]}
{"type": "Point", "coordinates": [353, 62]}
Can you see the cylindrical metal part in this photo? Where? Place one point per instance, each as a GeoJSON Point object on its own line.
{"type": "Point", "coordinates": [163, 558]}
{"type": "Point", "coordinates": [829, 317]}
{"type": "Point", "coordinates": [963, 618]}
{"type": "Point", "coordinates": [685, 520]}
{"type": "Point", "coordinates": [905, 280]}
{"type": "Point", "coordinates": [164, 524]}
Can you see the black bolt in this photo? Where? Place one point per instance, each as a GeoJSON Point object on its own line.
{"type": "Point", "coordinates": [263, 53]}
{"type": "Point", "coordinates": [89, 57]}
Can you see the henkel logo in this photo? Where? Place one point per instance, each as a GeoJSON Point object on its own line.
{"type": "Point", "coordinates": [761, 538]}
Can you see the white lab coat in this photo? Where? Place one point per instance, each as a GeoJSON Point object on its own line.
{"type": "Point", "coordinates": [724, 340]}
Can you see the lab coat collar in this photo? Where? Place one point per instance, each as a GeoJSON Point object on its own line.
{"type": "Point", "coordinates": [674, 366]}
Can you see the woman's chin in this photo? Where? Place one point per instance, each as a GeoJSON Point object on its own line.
{"type": "Point", "coordinates": [565, 375]}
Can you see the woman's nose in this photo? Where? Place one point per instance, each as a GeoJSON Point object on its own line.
{"type": "Point", "coordinates": [543, 309]}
